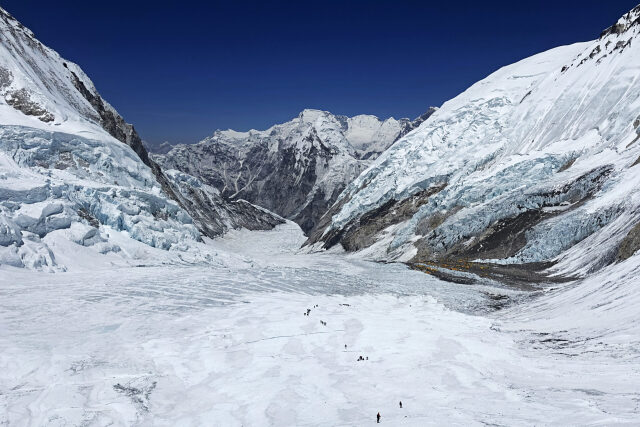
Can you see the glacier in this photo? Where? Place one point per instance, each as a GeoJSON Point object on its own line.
{"type": "Point", "coordinates": [542, 153]}
{"type": "Point", "coordinates": [57, 182]}
{"type": "Point", "coordinates": [137, 291]}
{"type": "Point", "coordinates": [228, 343]}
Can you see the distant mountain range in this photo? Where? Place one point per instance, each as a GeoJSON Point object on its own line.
{"type": "Point", "coordinates": [296, 169]}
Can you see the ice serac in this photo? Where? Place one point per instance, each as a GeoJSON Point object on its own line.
{"type": "Point", "coordinates": [71, 168]}
{"type": "Point", "coordinates": [296, 169]}
{"type": "Point", "coordinates": [535, 165]}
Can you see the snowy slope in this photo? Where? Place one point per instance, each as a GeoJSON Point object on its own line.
{"type": "Point", "coordinates": [229, 345]}
{"type": "Point", "coordinates": [72, 170]}
{"type": "Point", "coordinates": [296, 169]}
{"type": "Point", "coordinates": [535, 163]}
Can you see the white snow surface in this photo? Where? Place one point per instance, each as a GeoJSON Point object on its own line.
{"type": "Point", "coordinates": [227, 343]}
{"type": "Point", "coordinates": [66, 185]}
{"type": "Point", "coordinates": [501, 145]}
{"type": "Point", "coordinates": [361, 135]}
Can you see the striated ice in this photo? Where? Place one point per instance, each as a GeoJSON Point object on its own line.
{"type": "Point", "coordinates": [541, 134]}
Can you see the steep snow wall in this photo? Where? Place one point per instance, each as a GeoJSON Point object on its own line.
{"type": "Point", "coordinates": [537, 162]}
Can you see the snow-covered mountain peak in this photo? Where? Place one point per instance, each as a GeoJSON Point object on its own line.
{"type": "Point", "coordinates": [310, 115]}
{"type": "Point", "coordinates": [363, 136]}
{"type": "Point", "coordinates": [296, 168]}
{"type": "Point", "coordinates": [231, 134]}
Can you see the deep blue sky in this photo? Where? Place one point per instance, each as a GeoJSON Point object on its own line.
{"type": "Point", "coordinates": [178, 70]}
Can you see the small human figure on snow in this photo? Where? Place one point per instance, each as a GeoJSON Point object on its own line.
{"type": "Point", "coordinates": [401, 404]}
{"type": "Point", "coordinates": [378, 418]}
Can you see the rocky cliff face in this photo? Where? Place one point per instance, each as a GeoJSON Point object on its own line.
{"type": "Point", "coordinates": [296, 169]}
{"type": "Point", "coordinates": [534, 166]}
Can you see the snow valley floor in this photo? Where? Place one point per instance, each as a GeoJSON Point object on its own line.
{"type": "Point", "coordinates": [230, 344]}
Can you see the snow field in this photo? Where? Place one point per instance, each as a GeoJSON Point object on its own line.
{"type": "Point", "coordinates": [230, 345]}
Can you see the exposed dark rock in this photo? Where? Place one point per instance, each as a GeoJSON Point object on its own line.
{"type": "Point", "coordinates": [418, 121]}
{"type": "Point", "coordinates": [139, 395]}
{"type": "Point", "coordinates": [334, 235]}
{"type": "Point", "coordinates": [636, 126]}
{"type": "Point", "coordinates": [21, 101]}
{"type": "Point", "coordinates": [506, 236]}
{"type": "Point", "coordinates": [630, 244]}
{"type": "Point", "coordinates": [162, 148]}
{"type": "Point", "coordinates": [567, 165]}
{"type": "Point", "coordinates": [430, 223]}
{"type": "Point", "coordinates": [84, 214]}
{"type": "Point", "coordinates": [5, 78]}
{"type": "Point", "coordinates": [64, 84]}
{"type": "Point", "coordinates": [620, 45]}
{"type": "Point", "coordinates": [363, 231]}
{"type": "Point", "coordinates": [319, 203]}
{"type": "Point", "coordinates": [112, 122]}
{"type": "Point", "coordinates": [525, 276]}
{"type": "Point", "coordinates": [279, 181]}
{"type": "Point", "coordinates": [614, 29]}
{"type": "Point", "coordinates": [503, 238]}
